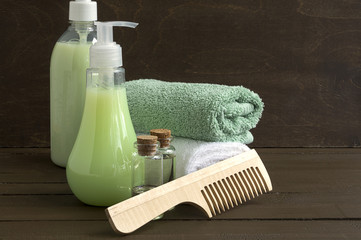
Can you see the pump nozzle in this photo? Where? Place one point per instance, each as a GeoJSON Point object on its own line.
{"type": "Point", "coordinates": [105, 52]}
{"type": "Point", "coordinates": [105, 30]}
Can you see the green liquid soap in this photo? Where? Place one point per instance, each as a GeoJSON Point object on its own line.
{"type": "Point", "coordinates": [69, 62]}
{"type": "Point", "coordinates": [99, 169]}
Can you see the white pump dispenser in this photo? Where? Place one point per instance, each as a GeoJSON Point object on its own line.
{"type": "Point", "coordinates": [105, 52]}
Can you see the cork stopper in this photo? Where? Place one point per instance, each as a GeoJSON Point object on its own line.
{"type": "Point", "coordinates": [147, 145]}
{"type": "Point", "coordinates": [164, 136]}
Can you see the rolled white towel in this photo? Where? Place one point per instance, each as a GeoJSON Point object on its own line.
{"type": "Point", "coordinates": [193, 155]}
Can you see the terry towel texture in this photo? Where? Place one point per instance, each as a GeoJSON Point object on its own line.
{"type": "Point", "coordinates": [193, 155]}
{"type": "Point", "coordinates": [208, 112]}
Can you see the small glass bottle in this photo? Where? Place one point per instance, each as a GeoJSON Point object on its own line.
{"type": "Point", "coordinates": [147, 165]}
{"type": "Point", "coordinates": [168, 151]}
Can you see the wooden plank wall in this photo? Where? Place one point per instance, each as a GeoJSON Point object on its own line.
{"type": "Point", "coordinates": [301, 56]}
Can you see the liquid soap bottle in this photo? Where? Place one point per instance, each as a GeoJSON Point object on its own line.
{"type": "Point", "coordinates": [68, 64]}
{"type": "Point", "coordinates": [99, 169]}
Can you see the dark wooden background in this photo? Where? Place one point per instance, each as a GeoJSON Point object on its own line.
{"type": "Point", "coordinates": [303, 57]}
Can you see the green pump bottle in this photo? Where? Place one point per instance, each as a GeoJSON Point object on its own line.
{"type": "Point", "coordinates": [99, 167]}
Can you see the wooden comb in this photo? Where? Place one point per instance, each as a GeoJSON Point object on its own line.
{"type": "Point", "coordinates": [214, 189]}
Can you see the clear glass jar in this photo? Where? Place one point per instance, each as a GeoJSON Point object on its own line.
{"type": "Point", "coordinates": [168, 151]}
{"type": "Point", "coordinates": [147, 165]}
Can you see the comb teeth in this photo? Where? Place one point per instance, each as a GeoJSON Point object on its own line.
{"type": "Point", "coordinates": [233, 190]}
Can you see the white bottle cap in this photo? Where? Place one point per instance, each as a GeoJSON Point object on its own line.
{"type": "Point", "coordinates": [105, 52]}
{"type": "Point", "coordinates": [83, 10]}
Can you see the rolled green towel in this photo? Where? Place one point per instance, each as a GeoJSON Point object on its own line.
{"type": "Point", "coordinates": [208, 112]}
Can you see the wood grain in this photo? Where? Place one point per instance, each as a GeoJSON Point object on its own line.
{"type": "Point", "coordinates": [280, 206]}
{"type": "Point", "coordinates": [316, 196]}
{"type": "Point", "coordinates": [208, 230]}
{"type": "Point", "coordinates": [300, 56]}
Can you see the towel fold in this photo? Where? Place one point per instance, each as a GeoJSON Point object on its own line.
{"type": "Point", "coordinates": [208, 112]}
{"type": "Point", "coordinates": [193, 155]}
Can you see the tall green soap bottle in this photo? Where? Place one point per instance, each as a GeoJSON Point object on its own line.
{"type": "Point", "coordinates": [99, 169]}
{"type": "Point", "coordinates": [68, 64]}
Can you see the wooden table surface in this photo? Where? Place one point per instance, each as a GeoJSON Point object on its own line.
{"type": "Point", "coordinates": [316, 195]}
